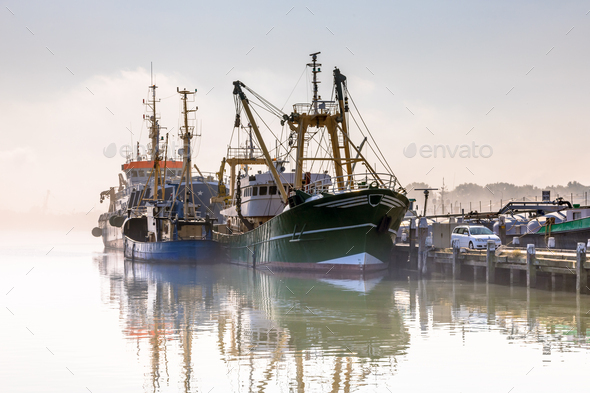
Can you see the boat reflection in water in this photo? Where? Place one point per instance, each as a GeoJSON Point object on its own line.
{"type": "Point", "coordinates": [231, 328]}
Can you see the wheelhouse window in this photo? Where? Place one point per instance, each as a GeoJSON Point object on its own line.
{"type": "Point", "coordinates": [272, 190]}
{"type": "Point", "coordinates": [263, 190]}
{"type": "Point", "coordinates": [254, 191]}
{"type": "Point", "coordinates": [141, 174]}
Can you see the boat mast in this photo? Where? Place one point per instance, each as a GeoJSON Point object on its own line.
{"type": "Point", "coordinates": [339, 81]}
{"type": "Point", "coordinates": [334, 123]}
{"type": "Point", "coordinates": [238, 91]}
{"type": "Point", "coordinates": [315, 70]}
{"type": "Point", "coordinates": [251, 147]}
{"type": "Point", "coordinates": [155, 137]}
{"type": "Point", "coordinates": [319, 119]}
{"type": "Point", "coordinates": [186, 134]}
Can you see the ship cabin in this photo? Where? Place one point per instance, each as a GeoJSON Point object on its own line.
{"type": "Point", "coordinates": [156, 224]}
{"type": "Point", "coordinates": [138, 172]}
{"type": "Point", "coordinates": [261, 199]}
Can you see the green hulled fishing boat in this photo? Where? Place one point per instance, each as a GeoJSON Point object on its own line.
{"type": "Point", "coordinates": [330, 219]}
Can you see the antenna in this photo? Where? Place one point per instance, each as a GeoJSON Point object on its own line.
{"type": "Point", "coordinates": [315, 70]}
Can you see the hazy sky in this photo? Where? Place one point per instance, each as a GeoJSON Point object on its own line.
{"type": "Point", "coordinates": [74, 74]}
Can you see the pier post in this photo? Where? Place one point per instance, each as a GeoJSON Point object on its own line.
{"type": "Point", "coordinates": [422, 253]}
{"type": "Point", "coordinates": [491, 262]}
{"type": "Point", "coordinates": [412, 240]}
{"type": "Point", "coordinates": [581, 273]}
{"type": "Point", "coordinates": [502, 229]}
{"type": "Point", "coordinates": [531, 271]}
{"type": "Point", "coordinates": [456, 261]}
{"type": "Point", "coordinates": [512, 276]}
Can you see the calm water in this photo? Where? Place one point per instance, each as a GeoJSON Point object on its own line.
{"type": "Point", "coordinates": [85, 320]}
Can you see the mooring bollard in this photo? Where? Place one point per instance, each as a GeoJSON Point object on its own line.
{"type": "Point", "coordinates": [581, 274]}
{"type": "Point", "coordinates": [531, 271]}
{"type": "Point", "coordinates": [456, 260]}
{"type": "Point", "coordinates": [516, 241]}
{"type": "Point", "coordinates": [551, 242]}
{"type": "Point", "coordinates": [491, 262]}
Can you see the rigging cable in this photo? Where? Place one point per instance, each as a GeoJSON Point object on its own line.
{"type": "Point", "coordinates": [273, 134]}
{"type": "Point", "coordinates": [370, 145]}
{"type": "Point", "coordinates": [384, 161]}
{"type": "Point", "coordinates": [371, 135]}
{"type": "Point", "coordinates": [296, 84]}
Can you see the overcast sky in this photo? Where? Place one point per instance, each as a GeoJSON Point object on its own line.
{"type": "Point", "coordinates": [513, 76]}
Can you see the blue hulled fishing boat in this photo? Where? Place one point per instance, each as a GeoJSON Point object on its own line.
{"type": "Point", "coordinates": [166, 225]}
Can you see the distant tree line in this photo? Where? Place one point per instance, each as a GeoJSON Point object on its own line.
{"type": "Point", "coordinates": [491, 197]}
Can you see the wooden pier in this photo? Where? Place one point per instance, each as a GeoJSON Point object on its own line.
{"type": "Point", "coordinates": [549, 269]}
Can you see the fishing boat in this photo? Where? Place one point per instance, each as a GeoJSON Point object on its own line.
{"type": "Point", "coordinates": [165, 226]}
{"type": "Point", "coordinates": [134, 176]}
{"type": "Point", "coordinates": [323, 220]}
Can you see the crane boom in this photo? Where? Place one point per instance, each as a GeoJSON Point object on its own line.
{"type": "Point", "coordinates": [238, 91]}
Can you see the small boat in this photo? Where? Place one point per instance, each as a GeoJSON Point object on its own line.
{"type": "Point", "coordinates": [165, 226]}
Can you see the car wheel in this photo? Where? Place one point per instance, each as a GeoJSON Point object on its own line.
{"type": "Point", "coordinates": [471, 245]}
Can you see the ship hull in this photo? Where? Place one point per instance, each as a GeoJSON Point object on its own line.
{"type": "Point", "coordinates": [177, 251]}
{"type": "Point", "coordinates": [112, 237]}
{"type": "Point", "coordinates": [349, 232]}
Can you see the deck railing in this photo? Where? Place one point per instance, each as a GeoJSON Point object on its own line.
{"type": "Point", "coordinates": [357, 181]}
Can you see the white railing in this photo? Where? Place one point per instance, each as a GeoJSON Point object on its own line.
{"type": "Point", "coordinates": [357, 181]}
{"type": "Point", "coordinates": [244, 153]}
{"type": "Point", "coordinates": [327, 107]}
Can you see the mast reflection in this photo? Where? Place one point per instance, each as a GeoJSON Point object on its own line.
{"type": "Point", "coordinates": [256, 330]}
